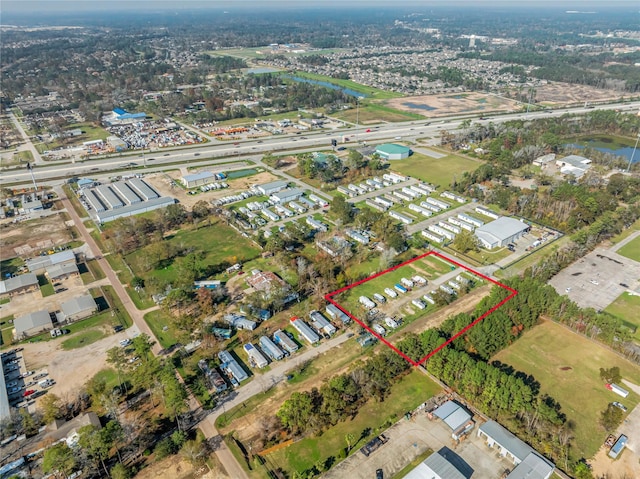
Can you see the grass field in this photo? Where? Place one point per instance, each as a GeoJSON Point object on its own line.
{"type": "Point", "coordinates": [629, 231]}
{"type": "Point", "coordinates": [631, 250]}
{"type": "Point", "coordinates": [218, 243]}
{"type": "Point", "coordinates": [627, 308]}
{"type": "Point", "coordinates": [373, 417]}
{"type": "Point", "coordinates": [157, 320]}
{"type": "Point", "coordinates": [567, 367]}
{"type": "Point", "coordinates": [370, 113]}
{"type": "Point", "coordinates": [439, 172]}
{"type": "Point", "coordinates": [83, 339]}
{"type": "Point", "coordinates": [536, 256]}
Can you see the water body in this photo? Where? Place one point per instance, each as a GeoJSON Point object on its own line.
{"type": "Point", "coordinates": [606, 144]}
{"type": "Point", "coordinates": [419, 106]}
{"type": "Point", "coordinates": [257, 71]}
{"type": "Point", "coordinates": [346, 91]}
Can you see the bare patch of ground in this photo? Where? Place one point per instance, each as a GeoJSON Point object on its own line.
{"type": "Point", "coordinates": [433, 106]}
{"type": "Point", "coordinates": [175, 468]}
{"type": "Point", "coordinates": [160, 182]}
{"type": "Point", "coordinates": [556, 93]}
{"type": "Point", "coordinates": [33, 235]}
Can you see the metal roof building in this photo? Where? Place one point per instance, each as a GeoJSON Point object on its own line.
{"type": "Point", "coordinates": [125, 192]}
{"type": "Point", "coordinates": [79, 307]}
{"type": "Point", "coordinates": [435, 467]}
{"type": "Point", "coordinates": [285, 341]}
{"type": "Point", "coordinates": [18, 284]}
{"type": "Point", "coordinates": [32, 323]}
{"type": "Point", "coordinates": [453, 415]}
{"type": "Point", "coordinates": [270, 348]}
{"type": "Point", "coordinates": [131, 210]}
{"type": "Point", "coordinates": [109, 198]}
{"type": "Point", "coordinates": [305, 331]}
{"type": "Point", "coordinates": [143, 189]}
{"type": "Point", "coordinates": [392, 151]}
{"type": "Point", "coordinates": [529, 464]}
{"type": "Point", "coordinates": [271, 188]}
{"type": "Point", "coordinates": [198, 179]}
{"type": "Point", "coordinates": [287, 195]}
{"type": "Point", "coordinates": [61, 271]}
{"type": "Point", "coordinates": [39, 263]}
{"type": "Point", "coordinates": [5, 412]}
{"type": "Point", "coordinates": [231, 367]}
{"type": "Point", "coordinates": [500, 232]}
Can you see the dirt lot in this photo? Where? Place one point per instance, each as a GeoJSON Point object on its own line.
{"type": "Point", "coordinates": [70, 369]}
{"type": "Point", "coordinates": [433, 106]}
{"type": "Point", "coordinates": [565, 93]}
{"type": "Point", "coordinates": [32, 236]}
{"type": "Point", "coordinates": [175, 468]}
{"type": "Point", "coordinates": [160, 182]}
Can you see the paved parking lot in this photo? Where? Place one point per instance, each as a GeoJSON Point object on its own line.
{"type": "Point", "coordinates": [597, 280]}
{"type": "Point", "coordinates": [410, 438]}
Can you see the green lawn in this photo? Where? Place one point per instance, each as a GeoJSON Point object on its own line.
{"type": "Point", "coordinates": [83, 339]}
{"type": "Point", "coordinates": [46, 288]}
{"type": "Point", "coordinates": [218, 243]}
{"type": "Point", "coordinates": [627, 308]}
{"type": "Point", "coordinates": [629, 231]}
{"type": "Point", "coordinates": [372, 113]}
{"type": "Point", "coordinates": [631, 250]}
{"type": "Point", "coordinates": [6, 335]}
{"type": "Point", "coordinates": [157, 320]}
{"type": "Point", "coordinates": [373, 417]}
{"type": "Point", "coordinates": [440, 172]}
{"type": "Point", "coordinates": [567, 367]}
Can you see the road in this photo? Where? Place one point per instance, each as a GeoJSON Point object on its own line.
{"type": "Point", "coordinates": [260, 384]}
{"type": "Point", "coordinates": [220, 152]}
{"type": "Point", "coordinates": [136, 315]}
{"type": "Point", "coordinates": [28, 144]}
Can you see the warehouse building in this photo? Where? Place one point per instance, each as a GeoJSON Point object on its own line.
{"type": "Point", "coordinates": [501, 232]}
{"type": "Point", "coordinates": [392, 151]}
{"type": "Point", "coordinates": [436, 466]}
{"type": "Point", "coordinates": [284, 196]}
{"type": "Point", "coordinates": [268, 189]}
{"type": "Point", "coordinates": [39, 264]}
{"type": "Point", "coordinates": [529, 464]}
{"type": "Point", "coordinates": [198, 179]}
{"type": "Point", "coordinates": [456, 417]}
{"type": "Point", "coordinates": [32, 323]}
{"type": "Point", "coordinates": [62, 271]}
{"type": "Point", "coordinates": [132, 210]}
{"type": "Point", "coordinates": [79, 307]}
{"type": "Point", "coordinates": [22, 283]}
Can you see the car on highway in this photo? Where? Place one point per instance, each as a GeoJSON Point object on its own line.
{"type": "Point", "coordinates": [196, 154]}
{"type": "Point", "coordinates": [368, 130]}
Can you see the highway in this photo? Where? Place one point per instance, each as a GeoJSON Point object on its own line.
{"type": "Point", "coordinates": [216, 152]}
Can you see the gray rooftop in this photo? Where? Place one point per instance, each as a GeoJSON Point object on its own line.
{"type": "Point", "coordinates": [273, 184]}
{"type": "Point", "coordinates": [576, 161]}
{"type": "Point", "coordinates": [435, 467]}
{"type": "Point", "coordinates": [289, 192]}
{"type": "Point", "coordinates": [203, 175]}
{"type": "Point", "coordinates": [507, 440]}
{"type": "Point", "coordinates": [42, 262]}
{"type": "Point", "coordinates": [17, 282]}
{"type": "Point", "coordinates": [533, 467]}
{"type": "Point", "coordinates": [78, 304]}
{"type": "Point", "coordinates": [502, 228]}
{"type": "Point", "coordinates": [58, 270]}
{"type": "Point", "coordinates": [135, 208]}
{"type": "Point", "coordinates": [38, 319]}
{"type": "Point", "coordinates": [452, 414]}
{"type": "Point", "coordinates": [4, 397]}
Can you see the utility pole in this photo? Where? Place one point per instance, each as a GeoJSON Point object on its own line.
{"type": "Point", "coordinates": [633, 154]}
{"type": "Point", "coordinates": [33, 178]}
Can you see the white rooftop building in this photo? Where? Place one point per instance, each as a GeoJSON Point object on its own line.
{"type": "Point", "coordinates": [500, 232]}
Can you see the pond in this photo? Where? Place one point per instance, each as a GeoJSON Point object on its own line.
{"type": "Point", "coordinates": [419, 106]}
{"type": "Point", "coordinates": [346, 91]}
{"type": "Point", "coordinates": [606, 144]}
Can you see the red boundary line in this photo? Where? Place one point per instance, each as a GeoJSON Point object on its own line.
{"type": "Point", "coordinates": [329, 298]}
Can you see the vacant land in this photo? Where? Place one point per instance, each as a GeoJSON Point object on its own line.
{"type": "Point", "coordinates": [433, 106]}
{"type": "Point", "coordinates": [217, 244]}
{"type": "Point", "coordinates": [368, 91]}
{"type": "Point", "coordinates": [32, 236]}
{"type": "Point", "coordinates": [557, 93]}
{"type": "Point", "coordinates": [631, 250]}
{"type": "Point", "coordinates": [567, 367]}
{"type": "Point", "coordinates": [627, 308]}
{"type": "Point", "coordinates": [373, 418]}
{"type": "Point", "coordinates": [439, 172]}
{"type": "Point", "coordinates": [371, 113]}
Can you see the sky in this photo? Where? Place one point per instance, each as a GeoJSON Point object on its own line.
{"type": "Point", "coordinates": [25, 6]}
